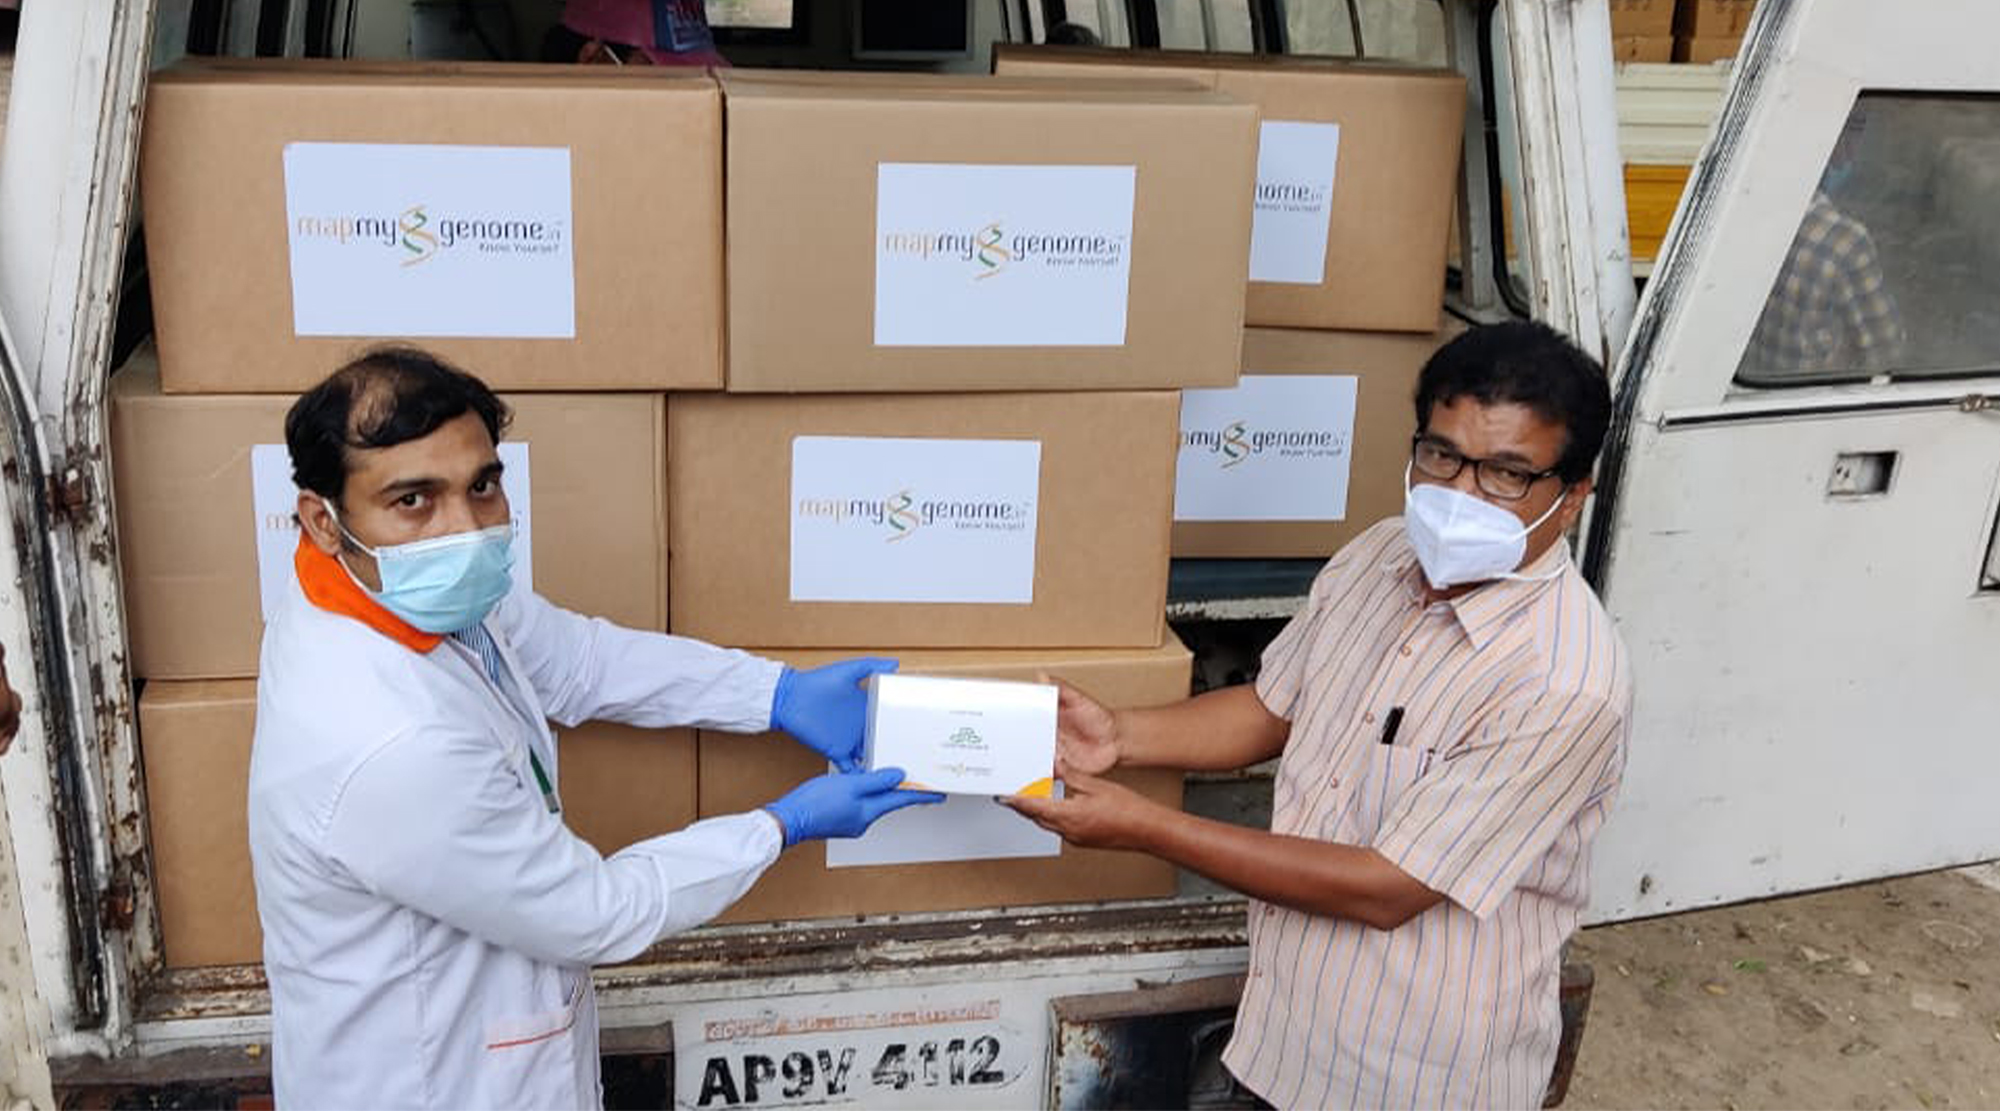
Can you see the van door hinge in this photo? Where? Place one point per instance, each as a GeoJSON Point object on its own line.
{"type": "Point", "coordinates": [68, 492]}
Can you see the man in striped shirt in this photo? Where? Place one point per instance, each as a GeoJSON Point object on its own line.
{"type": "Point", "coordinates": [1449, 712]}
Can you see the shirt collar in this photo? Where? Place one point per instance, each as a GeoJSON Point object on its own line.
{"type": "Point", "coordinates": [1482, 612]}
{"type": "Point", "coordinates": [328, 585]}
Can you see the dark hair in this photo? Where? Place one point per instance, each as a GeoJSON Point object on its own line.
{"type": "Point", "coordinates": [388, 396]}
{"type": "Point", "coordinates": [1530, 364]}
{"type": "Point", "coordinates": [1071, 34]}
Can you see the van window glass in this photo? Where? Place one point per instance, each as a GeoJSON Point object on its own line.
{"type": "Point", "coordinates": [1222, 26]}
{"type": "Point", "coordinates": [1892, 272]}
{"type": "Point", "coordinates": [1397, 30]}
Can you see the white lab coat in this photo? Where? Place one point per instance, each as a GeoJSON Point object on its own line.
{"type": "Point", "coordinates": [429, 925]}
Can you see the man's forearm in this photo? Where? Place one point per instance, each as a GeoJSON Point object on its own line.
{"type": "Point", "coordinates": [1221, 730]}
{"type": "Point", "coordinates": [1317, 877]}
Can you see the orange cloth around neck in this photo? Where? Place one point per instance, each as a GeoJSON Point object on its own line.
{"type": "Point", "coordinates": [328, 585]}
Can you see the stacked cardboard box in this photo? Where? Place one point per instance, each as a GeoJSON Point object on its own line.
{"type": "Point", "coordinates": [995, 535]}
{"type": "Point", "coordinates": [891, 471]}
{"type": "Point", "coordinates": [1642, 30]}
{"type": "Point", "coordinates": [1357, 165]}
{"type": "Point", "coordinates": [1354, 206]}
{"type": "Point", "coordinates": [981, 234]}
{"type": "Point", "coordinates": [1020, 239]}
{"type": "Point", "coordinates": [1297, 461]}
{"type": "Point", "coordinates": [940, 417]}
{"type": "Point", "coordinates": [205, 503]}
{"type": "Point", "coordinates": [503, 217]}
{"type": "Point", "coordinates": [1699, 31]}
{"type": "Point", "coordinates": [1711, 30]}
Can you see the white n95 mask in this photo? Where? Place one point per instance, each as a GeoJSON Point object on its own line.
{"type": "Point", "coordinates": [1461, 539]}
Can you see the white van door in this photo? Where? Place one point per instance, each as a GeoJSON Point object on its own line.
{"type": "Point", "coordinates": [1797, 511]}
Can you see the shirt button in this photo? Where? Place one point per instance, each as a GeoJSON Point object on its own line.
{"type": "Point", "coordinates": [1406, 649]}
{"type": "Point", "coordinates": [1269, 911]}
{"type": "Point", "coordinates": [1368, 718]}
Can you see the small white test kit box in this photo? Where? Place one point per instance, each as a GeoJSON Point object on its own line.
{"type": "Point", "coordinates": [964, 736]}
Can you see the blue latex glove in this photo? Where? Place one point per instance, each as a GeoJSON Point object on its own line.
{"type": "Point", "coordinates": [843, 805]}
{"type": "Point", "coordinates": [825, 708]}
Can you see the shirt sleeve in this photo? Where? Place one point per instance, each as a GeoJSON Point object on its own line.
{"type": "Point", "coordinates": [1872, 319]}
{"type": "Point", "coordinates": [588, 669]}
{"type": "Point", "coordinates": [443, 824]}
{"type": "Point", "coordinates": [1471, 827]}
{"type": "Point", "coordinates": [1282, 671]}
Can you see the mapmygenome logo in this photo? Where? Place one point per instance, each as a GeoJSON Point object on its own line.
{"type": "Point", "coordinates": [1292, 196]}
{"type": "Point", "coordinates": [986, 248]}
{"type": "Point", "coordinates": [993, 249]}
{"type": "Point", "coordinates": [1239, 441]}
{"type": "Point", "coordinates": [966, 737]}
{"type": "Point", "coordinates": [418, 234]}
{"type": "Point", "coordinates": [904, 514]}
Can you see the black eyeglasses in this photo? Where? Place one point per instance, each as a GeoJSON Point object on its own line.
{"type": "Point", "coordinates": [1436, 459]}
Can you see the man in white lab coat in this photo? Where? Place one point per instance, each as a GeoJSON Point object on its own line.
{"type": "Point", "coordinates": [429, 920]}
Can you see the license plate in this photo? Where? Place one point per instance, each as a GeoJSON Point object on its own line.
{"type": "Point", "coordinates": [929, 1048]}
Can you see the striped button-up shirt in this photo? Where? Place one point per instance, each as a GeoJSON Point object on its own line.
{"type": "Point", "coordinates": [1514, 702]}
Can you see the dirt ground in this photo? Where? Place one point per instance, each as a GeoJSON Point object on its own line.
{"type": "Point", "coordinates": [1876, 996]}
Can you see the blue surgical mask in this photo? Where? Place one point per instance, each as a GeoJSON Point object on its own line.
{"type": "Point", "coordinates": [443, 585]}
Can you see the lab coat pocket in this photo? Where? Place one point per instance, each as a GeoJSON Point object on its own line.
{"type": "Point", "coordinates": [526, 1054]}
{"type": "Point", "coordinates": [1389, 771]}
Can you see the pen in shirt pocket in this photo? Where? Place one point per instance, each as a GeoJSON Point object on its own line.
{"type": "Point", "coordinates": [1394, 723]}
{"type": "Point", "coordinates": [1392, 726]}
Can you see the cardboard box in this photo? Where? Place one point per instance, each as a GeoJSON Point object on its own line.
{"type": "Point", "coordinates": [1714, 19]}
{"type": "Point", "coordinates": [1646, 49]}
{"type": "Point", "coordinates": [618, 785]}
{"type": "Point", "coordinates": [194, 740]}
{"type": "Point", "coordinates": [1311, 405]}
{"type": "Point", "coordinates": [739, 773]}
{"type": "Point", "coordinates": [190, 530]}
{"type": "Point", "coordinates": [556, 227]}
{"type": "Point", "coordinates": [1705, 51]}
{"type": "Point", "coordinates": [1642, 18]}
{"type": "Point", "coordinates": [935, 520]}
{"type": "Point", "coordinates": [977, 234]}
{"type": "Point", "coordinates": [1358, 171]}
{"type": "Point", "coordinates": [963, 736]}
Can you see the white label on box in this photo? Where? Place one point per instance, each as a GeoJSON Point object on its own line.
{"type": "Point", "coordinates": [1277, 447]}
{"type": "Point", "coordinates": [275, 500]}
{"type": "Point", "coordinates": [1295, 167]}
{"type": "Point", "coordinates": [904, 520]}
{"type": "Point", "coordinates": [1002, 256]}
{"type": "Point", "coordinates": [427, 240]}
{"type": "Point", "coordinates": [962, 827]}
